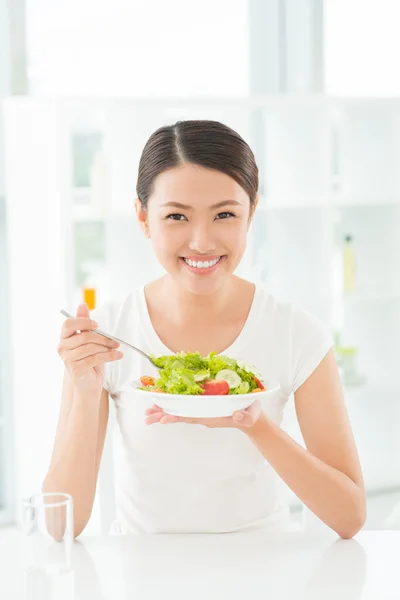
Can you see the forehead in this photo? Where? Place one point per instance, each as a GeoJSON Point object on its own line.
{"type": "Point", "coordinates": [192, 183]}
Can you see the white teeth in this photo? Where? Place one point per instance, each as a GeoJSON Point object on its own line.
{"type": "Point", "coordinates": [202, 264]}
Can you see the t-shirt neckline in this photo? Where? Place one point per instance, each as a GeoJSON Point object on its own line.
{"type": "Point", "coordinates": [158, 348]}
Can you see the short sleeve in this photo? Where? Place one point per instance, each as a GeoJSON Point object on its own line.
{"type": "Point", "coordinates": [103, 316]}
{"type": "Point", "coordinates": [310, 341]}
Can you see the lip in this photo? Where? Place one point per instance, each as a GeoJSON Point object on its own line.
{"type": "Point", "coordinates": [203, 271]}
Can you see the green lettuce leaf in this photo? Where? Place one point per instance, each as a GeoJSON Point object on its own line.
{"type": "Point", "coordinates": [177, 373]}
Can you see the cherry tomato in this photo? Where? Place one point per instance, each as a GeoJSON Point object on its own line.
{"type": "Point", "coordinates": [256, 390]}
{"type": "Point", "coordinates": [212, 387]}
{"type": "Point", "coordinates": [146, 380]}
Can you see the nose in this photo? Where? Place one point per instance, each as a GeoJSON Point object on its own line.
{"type": "Point", "coordinates": [201, 240]}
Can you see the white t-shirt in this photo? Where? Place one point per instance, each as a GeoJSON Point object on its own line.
{"type": "Point", "coordinates": [186, 478]}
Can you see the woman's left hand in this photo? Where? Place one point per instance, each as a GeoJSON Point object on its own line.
{"type": "Point", "coordinates": [241, 419]}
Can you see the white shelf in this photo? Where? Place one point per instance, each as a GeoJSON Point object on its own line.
{"type": "Point", "coordinates": [329, 202]}
{"type": "Point", "coordinates": [366, 390]}
{"type": "Point", "coordinates": [372, 297]}
{"type": "Point", "coordinates": [343, 201]}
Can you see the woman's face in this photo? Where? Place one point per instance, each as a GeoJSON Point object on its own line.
{"type": "Point", "coordinates": [197, 219]}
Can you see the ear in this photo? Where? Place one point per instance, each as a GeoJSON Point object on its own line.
{"type": "Point", "coordinates": [252, 210]}
{"type": "Point", "coordinates": [141, 215]}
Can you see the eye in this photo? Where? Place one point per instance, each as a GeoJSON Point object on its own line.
{"type": "Point", "coordinates": [225, 215]}
{"type": "Point", "coordinates": [176, 217]}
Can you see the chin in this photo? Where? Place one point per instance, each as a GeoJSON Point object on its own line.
{"type": "Point", "coordinates": [203, 285]}
{"type": "Point", "coordinates": [203, 288]}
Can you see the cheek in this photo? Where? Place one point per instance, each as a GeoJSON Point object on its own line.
{"type": "Point", "coordinates": [235, 236]}
{"type": "Point", "coordinates": [166, 238]}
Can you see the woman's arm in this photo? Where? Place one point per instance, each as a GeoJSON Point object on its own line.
{"type": "Point", "coordinates": [78, 448]}
{"type": "Point", "coordinates": [326, 476]}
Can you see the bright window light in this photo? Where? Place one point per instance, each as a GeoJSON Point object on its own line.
{"type": "Point", "coordinates": [362, 47]}
{"type": "Point", "coordinates": [140, 48]}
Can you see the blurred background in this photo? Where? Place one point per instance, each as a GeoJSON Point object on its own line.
{"type": "Point", "coordinates": [312, 85]}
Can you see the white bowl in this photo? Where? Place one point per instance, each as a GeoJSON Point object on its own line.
{"type": "Point", "coordinates": [202, 406]}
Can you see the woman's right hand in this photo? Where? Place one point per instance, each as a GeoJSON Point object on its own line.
{"type": "Point", "coordinates": [85, 352]}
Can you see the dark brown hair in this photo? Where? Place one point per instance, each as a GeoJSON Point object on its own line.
{"type": "Point", "coordinates": [210, 144]}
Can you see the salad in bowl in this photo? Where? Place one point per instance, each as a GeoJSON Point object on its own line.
{"type": "Point", "coordinates": [190, 385]}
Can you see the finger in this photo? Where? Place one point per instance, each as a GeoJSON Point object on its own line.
{"type": "Point", "coordinates": [166, 419]}
{"type": "Point", "coordinates": [189, 420]}
{"type": "Point", "coordinates": [83, 310]}
{"type": "Point", "coordinates": [74, 324]}
{"type": "Point", "coordinates": [84, 365]}
{"type": "Point", "coordinates": [87, 350]}
{"type": "Point", "coordinates": [154, 418]}
{"type": "Point", "coordinates": [88, 337]}
{"type": "Point", "coordinates": [152, 410]}
{"type": "Point", "coordinates": [243, 418]}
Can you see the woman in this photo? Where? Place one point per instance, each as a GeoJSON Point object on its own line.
{"type": "Point", "coordinates": [196, 197]}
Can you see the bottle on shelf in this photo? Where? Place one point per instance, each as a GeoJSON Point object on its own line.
{"type": "Point", "coordinates": [93, 284]}
{"type": "Point", "coordinates": [89, 296]}
{"type": "Point", "coordinates": [348, 362]}
{"type": "Point", "coordinates": [349, 266]}
{"type": "Point", "coordinates": [346, 357]}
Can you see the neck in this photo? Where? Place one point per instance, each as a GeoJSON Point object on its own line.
{"type": "Point", "coordinates": [183, 305]}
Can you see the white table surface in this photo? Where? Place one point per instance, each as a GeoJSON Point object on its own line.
{"type": "Point", "coordinates": [276, 566]}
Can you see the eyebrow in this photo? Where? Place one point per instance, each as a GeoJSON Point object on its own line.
{"type": "Point", "coordinates": [218, 205]}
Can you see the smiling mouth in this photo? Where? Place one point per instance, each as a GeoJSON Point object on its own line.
{"type": "Point", "coordinates": [202, 266]}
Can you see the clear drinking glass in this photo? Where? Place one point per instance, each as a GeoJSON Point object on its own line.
{"type": "Point", "coordinates": [48, 527]}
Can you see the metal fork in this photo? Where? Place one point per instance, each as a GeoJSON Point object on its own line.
{"type": "Point", "coordinates": [112, 337]}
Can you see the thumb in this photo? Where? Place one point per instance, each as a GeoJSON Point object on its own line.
{"type": "Point", "coordinates": [243, 418]}
{"type": "Point", "coordinates": [83, 310]}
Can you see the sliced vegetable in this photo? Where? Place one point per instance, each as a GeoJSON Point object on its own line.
{"type": "Point", "coordinates": [212, 387]}
{"type": "Point", "coordinates": [259, 384]}
{"type": "Point", "coordinates": [147, 380]}
{"type": "Point", "coordinates": [243, 388]}
{"type": "Point", "coordinates": [230, 376]}
{"type": "Point", "coordinates": [202, 375]}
